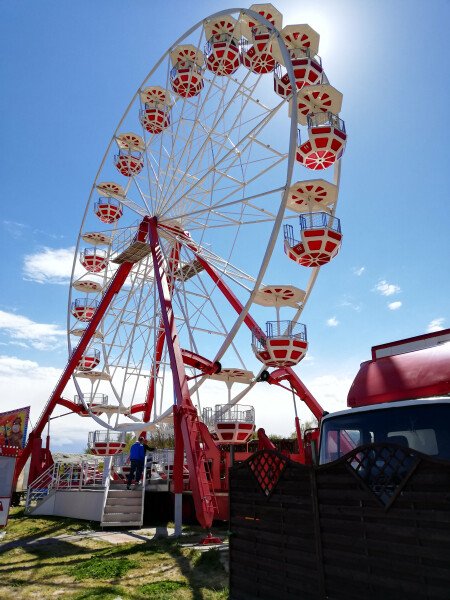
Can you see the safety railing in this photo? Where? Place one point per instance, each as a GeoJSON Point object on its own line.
{"type": "Point", "coordinates": [107, 200]}
{"type": "Point", "coordinates": [280, 329]}
{"type": "Point", "coordinates": [186, 65]}
{"type": "Point", "coordinates": [61, 475]}
{"type": "Point", "coordinates": [91, 399]}
{"type": "Point", "coordinates": [325, 119]}
{"type": "Point", "coordinates": [319, 220]}
{"type": "Point", "coordinates": [224, 413]}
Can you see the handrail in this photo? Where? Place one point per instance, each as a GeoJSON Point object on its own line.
{"type": "Point", "coordinates": [64, 476]}
{"type": "Point", "coordinates": [144, 483]}
{"type": "Point", "coordinates": [36, 485]}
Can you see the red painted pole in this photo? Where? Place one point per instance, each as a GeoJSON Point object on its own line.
{"type": "Point", "coordinates": [202, 491]}
{"type": "Point", "coordinates": [150, 397]}
{"type": "Point", "coordinates": [286, 373]}
{"type": "Point", "coordinates": [230, 296]}
{"type": "Point", "coordinates": [114, 287]}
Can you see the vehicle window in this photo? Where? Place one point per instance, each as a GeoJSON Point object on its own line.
{"type": "Point", "coordinates": [339, 442]}
{"type": "Point", "coordinates": [422, 427]}
{"type": "Point", "coordinates": [422, 440]}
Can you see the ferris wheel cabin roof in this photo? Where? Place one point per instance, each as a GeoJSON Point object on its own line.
{"type": "Point", "coordinates": [280, 295]}
{"type": "Point", "coordinates": [87, 285]}
{"type": "Point", "coordinates": [311, 195]}
{"type": "Point", "coordinates": [233, 376]}
{"type": "Point", "coordinates": [155, 93]}
{"type": "Point", "coordinates": [96, 238]}
{"type": "Point", "coordinates": [111, 189]}
{"type": "Point", "coordinates": [94, 375]}
{"type": "Point", "coordinates": [130, 141]}
{"type": "Point", "coordinates": [222, 25]}
{"type": "Point", "coordinates": [187, 52]}
{"type": "Point", "coordinates": [268, 11]}
{"type": "Point", "coordinates": [321, 97]}
{"type": "Point", "coordinates": [298, 37]}
{"type": "Point", "coordinates": [79, 332]}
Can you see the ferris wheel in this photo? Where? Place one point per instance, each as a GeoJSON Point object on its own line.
{"type": "Point", "coordinates": [206, 177]}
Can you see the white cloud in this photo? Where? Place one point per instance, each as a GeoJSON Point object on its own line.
{"type": "Point", "coordinates": [26, 383]}
{"type": "Point", "coordinates": [348, 303]}
{"type": "Point", "coordinates": [25, 333]}
{"type": "Point", "coordinates": [332, 322]}
{"type": "Point", "coordinates": [14, 229]}
{"type": "Point", "coordinates": [436, 325]}
{"type": "Point", "coordinates": [359, 271]}
{"type": "Point", "coordinates": [387, 289]}
{"type": "Point", "coordinates": [394, 305]}
{"type": "Point", "coordinates": [49, 266]}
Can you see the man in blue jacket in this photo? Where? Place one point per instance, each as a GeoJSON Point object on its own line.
{"type": "Point", "coordinates": [137, 460]}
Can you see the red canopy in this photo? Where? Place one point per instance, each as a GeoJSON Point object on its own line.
{"type": "Point", "coordinates": [419, 374]}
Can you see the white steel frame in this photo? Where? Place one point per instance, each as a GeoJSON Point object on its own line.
{"type": "Point", "coordinates": [133, 319]}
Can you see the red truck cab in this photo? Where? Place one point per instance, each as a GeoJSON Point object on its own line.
{"type": "Point", "coordinates": [401, 396]}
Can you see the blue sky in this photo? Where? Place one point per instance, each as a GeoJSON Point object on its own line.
{"type": "Point", "coordinates": [70, 69]}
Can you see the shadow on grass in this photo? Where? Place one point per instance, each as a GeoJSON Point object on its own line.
{"type": "Point", "coordinates": [203, 573]}
{"type": "Point", "coordinates": [26, 529]}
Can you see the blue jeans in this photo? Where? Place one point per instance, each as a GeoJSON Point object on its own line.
{"type": "Point", "coordinates": [136, 468]}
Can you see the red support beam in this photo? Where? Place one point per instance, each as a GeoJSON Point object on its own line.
{"type": "Point", "coordinates": [230, 296]}
{"type": "Point", "coordinates": [191, 359]}
{"type": "Point", "coordinates": [280, 374]}
{"type": "Point", "coordinates": [202, 490]}
{"type": "Point", "coordinates": [114, 287]}
{"type": "Point", "coordinates": [150, 397]}
{"type": "Point", "coordinates": [287, 374]}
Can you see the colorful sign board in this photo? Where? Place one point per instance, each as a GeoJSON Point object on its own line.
{"type": "Point", "coordinates": [13, 427]}
{"type": "Point", "coordinates": [7, 466]}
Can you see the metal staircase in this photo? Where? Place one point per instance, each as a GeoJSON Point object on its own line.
{"type": "Point", "coordinates": [124, 508]}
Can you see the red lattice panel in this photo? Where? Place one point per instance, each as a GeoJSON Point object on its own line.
{"type": "Point", "coordinates": [267, 469]}
{"type": "Point", "coordinates": [155, 120]}
{"type": "Point", "coordinates": [224, 58]}
{"type": "Point", "coordinates": [187, 83]}
{"type": "Point", "coordinates": [129, 165]}
{"type": "Point", "coordinates": [109, 212]}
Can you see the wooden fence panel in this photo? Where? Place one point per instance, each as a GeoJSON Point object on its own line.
{"type": "Point", "coordinates": [374, 524]}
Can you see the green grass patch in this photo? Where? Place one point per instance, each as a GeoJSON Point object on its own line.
{"type": "Point", "coordinates": [101, 593]}
{"type": "Point", "coordinates": [24, 526]}
{"type": "Point", "coordinates": [87, 568]}
{"type": "Point", "coordinates": [97, 567]}
{"type": "Point", "coordinates": [162, 590]}
{"type": "Point", "coordinates": [209, 560]}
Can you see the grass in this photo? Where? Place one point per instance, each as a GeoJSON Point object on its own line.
{"type": "Point", "coordinates": [90, 569]}
{"type": "Point", "coordinates": [102, 568]}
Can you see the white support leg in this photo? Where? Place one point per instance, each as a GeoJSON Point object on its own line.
{"type": "Point", "coordinates": [106, 470]}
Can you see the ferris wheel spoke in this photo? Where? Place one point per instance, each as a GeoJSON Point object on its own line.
{"type": "Point", "coordinates": [187, 146]}
{"type": "Point", "coordinates": [221, 205]}
{"type": "Point", "coordinates": [208, 138]}
{"type": "Point", "coordinates": [246, 140]}
{"type": "Point", "coordinates": [220, 168]}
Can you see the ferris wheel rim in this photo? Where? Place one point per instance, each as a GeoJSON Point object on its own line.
{"type": "Point", "coordinates": [278, 221]}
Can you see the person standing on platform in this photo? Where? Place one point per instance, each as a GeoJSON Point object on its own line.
{"type": "Point", "coordinates": [137, 460]}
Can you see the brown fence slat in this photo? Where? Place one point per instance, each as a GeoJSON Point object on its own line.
{"type": "Point", "coordinates": [339, 532]}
